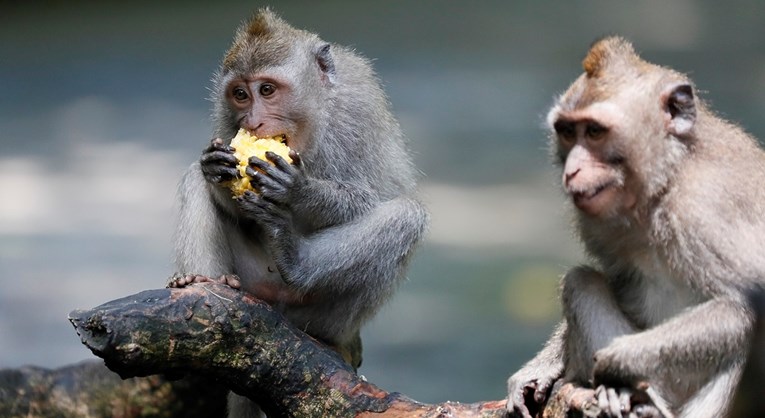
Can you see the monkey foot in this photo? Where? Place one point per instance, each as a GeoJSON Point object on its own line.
{"type": "Point", "coordinates": [182, 280]}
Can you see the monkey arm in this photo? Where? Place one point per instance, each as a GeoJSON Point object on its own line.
{"type": "Point", "coordinates": [367, 254]}
{"type": "Point", "coordinates": [326, 203]}
{"type": "Point", "coordinates": [199, 236]}
{"type": "Point", "coordinates": [316, 203]}
{"type": "Point", "coordinates": [713, 333]}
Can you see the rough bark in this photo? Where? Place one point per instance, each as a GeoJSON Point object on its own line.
{"type": "Point", "coordinates": [213, 333]}
{"type": "Point", "coordinates": [89, 389]}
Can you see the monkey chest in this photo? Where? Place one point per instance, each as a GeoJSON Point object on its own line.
{"type": "Point", "coordinates": [655, 293]}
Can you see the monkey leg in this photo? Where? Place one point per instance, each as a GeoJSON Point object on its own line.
{"type": "Point", "coordinates": [714, 398]}
{"type": "Point", "coordinates": [594, 321]}
{"type": "Point", "coordinates": [593, 317]}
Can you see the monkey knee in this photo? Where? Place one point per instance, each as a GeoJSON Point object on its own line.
{"type": "Point", "coordinates": [581, 287]}
{"type": "Point", "coordinates": [583, 279]}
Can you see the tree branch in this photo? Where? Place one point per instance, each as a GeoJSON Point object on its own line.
{"type": "Point", "coordinates": [214, 331]}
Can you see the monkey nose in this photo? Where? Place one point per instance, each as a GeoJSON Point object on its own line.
{"type": "Point", "coordinates": [567, 176]}
{"type": "Point", "coordinates": [252, 128]}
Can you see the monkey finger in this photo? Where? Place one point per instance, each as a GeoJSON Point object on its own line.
{"type": "Point", "coordinates": [219, 174]}
{"type": "Point", "coordinates": [540, 395]}
{"type": "Point", "coordinates": [264, 183]}
{"type": "Point", "coordinates": [521, 411]}
{"type": "Point", "coordinates": [625, 403]}
{"type": "Point", "coordinates": [614, 403]}
{"type": "Point", "coordinates": [608, 402]}
{"type": "Point", "coordinates": [647, 411]}
{"type": "Point", "coordinates": [219, 157]}
{"type": "Point", "coordinates": [271, 171]}
{"type": "Point", "coordinates": [247, 197]}
{"type": "Point", "coordinates": [281, 163]}
{"type": "Point", "coordinates": [602, 398]}
{"type": "Point", "coordinates": [296, 160]}
{"type": "Point", "coordinates": [517, 408]}
{"type": "Point", "coordinates": [219, 170]}
{"type": "Point", "coordinates": [531, 389]}
{"type": "Point", "coordinates": [217, 144]}
{"type": "Point", "coordinates": [260, 164]}
{"type": "Point", "coordinates": [254, 206]}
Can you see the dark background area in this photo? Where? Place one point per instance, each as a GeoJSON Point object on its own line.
{"type": "Point", "coordinates": [103, 105]}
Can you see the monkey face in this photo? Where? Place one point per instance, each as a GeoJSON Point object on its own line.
{"type": "Point", "coordinates": [621, 131]}
{"type": "Point", "coordinates": [593, 171]}
{"type": "Point", "coordinates": [263, 105]}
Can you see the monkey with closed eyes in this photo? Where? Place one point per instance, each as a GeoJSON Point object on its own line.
{"type": "Point", "coordinates": [670, 204]}
{"type": "Point", "coordinates": [327, 238]}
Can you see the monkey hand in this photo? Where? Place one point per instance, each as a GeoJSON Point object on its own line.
{"type": "Point", "coordinates": [619, 363]}
{"type": "Point", "coordinates": [218, 162]}
{"type": "Point", "coordinates": [622, 387]}
{"type": "Point", "coordinates": [276, 182]}
{"type": "Point", "coordinates": [277, 223]}
{"type": "Point", "coordinates": [275, 219]}
{"type": "Point", "coordinates": [528, 389]}
{"type": "Point", "coordinates": [627, 403]}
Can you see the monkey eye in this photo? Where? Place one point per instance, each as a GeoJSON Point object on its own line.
{"type": "Point", "coordinates": [565, 130]}
{"type": "Point", "coordinates": [267, 89]}
{"type": "Point", "coordinates": [240, 94]}
{"type": "Point", "coordinates": [595, 130]}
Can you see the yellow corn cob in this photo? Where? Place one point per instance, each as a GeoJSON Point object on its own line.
{"type": "Point", "coordinates": [247, 146]}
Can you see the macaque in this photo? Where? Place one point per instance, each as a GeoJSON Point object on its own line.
{"type": "Point", "coordinates": [670, 204]}
{"type": "Point", "coordinates": [324, 239]}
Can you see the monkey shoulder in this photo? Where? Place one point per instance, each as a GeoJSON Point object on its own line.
{"type": "Point", "coordinates": [713, 220]}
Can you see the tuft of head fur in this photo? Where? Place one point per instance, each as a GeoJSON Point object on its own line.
{"type": "Point", "coordinates": [613, 50]}
{"type": "Point", "coordinates": [265, 36]}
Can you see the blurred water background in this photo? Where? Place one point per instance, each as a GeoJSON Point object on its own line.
{"type": "Point", "coordinates": [103, 105]}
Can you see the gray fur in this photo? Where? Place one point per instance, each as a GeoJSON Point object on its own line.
{"type": "Point", "coordinates": [666, 301]}
{"type": "Point", "coordinates": [343, 238]}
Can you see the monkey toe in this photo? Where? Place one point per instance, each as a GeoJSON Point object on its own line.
{"type": "Point", "coordinates": [645, 411]}
{"type": "Point", "coordinates": [182, 280]}
{"type": "Point", "coordinates": [230, 280]}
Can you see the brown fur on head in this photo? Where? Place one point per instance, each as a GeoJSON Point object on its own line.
{"type": "Point", "coordinates": [613, 50]}
{"type": "Point", "coordinates": [266, 36]}
{"type": "Point", "coordinates": [610, 64]}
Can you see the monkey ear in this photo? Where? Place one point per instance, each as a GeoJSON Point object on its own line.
{"type": "Point", "coordinates": [681, 106]}
{"type": "Point", "coordinates": [326, 62]}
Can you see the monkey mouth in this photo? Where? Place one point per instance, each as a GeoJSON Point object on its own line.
{"type": "Point", "coordinates": [281, 137]}
{"type": "Point", "coordinates": [582, 197]}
